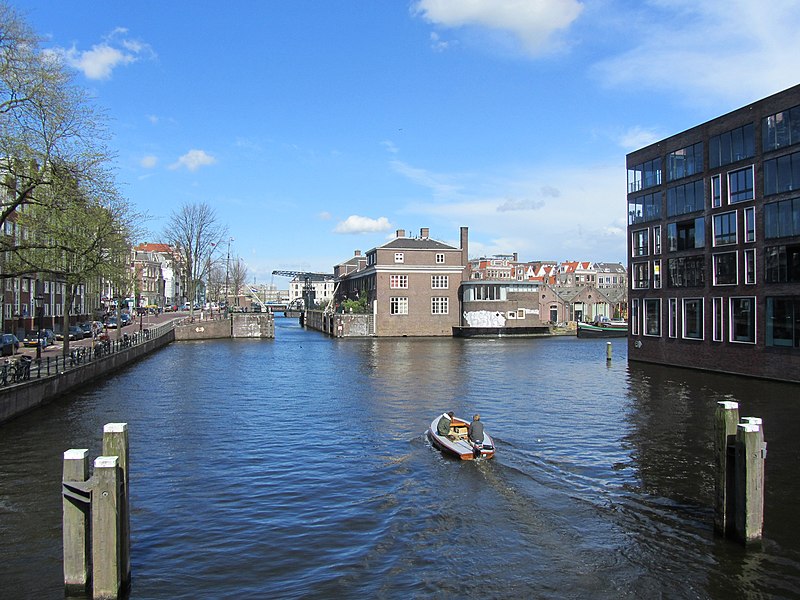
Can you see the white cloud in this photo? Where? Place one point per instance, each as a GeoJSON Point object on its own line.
{"type": "Point", "coordinates": [736, 50]}
{"type": "Point", "coordinates": [439, 184]}
{"type": "Point", "coordinates": [543, 212]}
{"type": "Point", "coordinates": [534, 22]}
{"type": "Point", "coordinates": [357, 224]}
{"type": "Point", "coordinates": [100, 61]}
{"type": "Point", "coordinates": [148, 162]}
{"type": "Point", "coordinates": [638, 137]}
{"type": "Point", "coordinates": [193, 160]}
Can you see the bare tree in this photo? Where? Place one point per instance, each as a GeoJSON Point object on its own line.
{"type": "Point", "coordinates": [195, 237]}
{"type": "Point", "coordinates": [238, 276]}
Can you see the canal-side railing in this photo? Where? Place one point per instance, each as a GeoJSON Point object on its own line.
{"type": "Point", "coordinates": [25, 368]}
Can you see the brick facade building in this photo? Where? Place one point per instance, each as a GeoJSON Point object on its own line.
{"type": "Point", "coordinates": [714, 243]}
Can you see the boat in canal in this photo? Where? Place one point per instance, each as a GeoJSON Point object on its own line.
{"type": "Point", "coordinates": [457, 442]}
{"type": "Point", "coordinates": [603, 328]}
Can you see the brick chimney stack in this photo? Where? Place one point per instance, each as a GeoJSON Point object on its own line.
{"type": "Point", "coordinates": [401, 233]}
{"type": "Point", "coordinates": [424, 233]}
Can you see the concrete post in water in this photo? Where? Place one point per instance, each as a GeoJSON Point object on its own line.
{"type": "Point", "coordinates": [608, 351]}
{"type": "Point", "coordinates": [106, 568]}
{"type": "Point", "coordinates": [115, 443]}
{"type": "Point", "coordinates": [75, 521]}
{"type": "Point", "coordinates": [726, 420]}
{"type": "Point", "coordinates": [750, 454]}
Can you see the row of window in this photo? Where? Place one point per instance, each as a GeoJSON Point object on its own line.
{"type": "Point", "coordinates": [777, 131]}
{"type": "Point", "coordinates": [400, 257]}
{"type": "Point", "coordinates": [781, 265]}
{"type": "Point", "coordinates": [732, 319]}
{"type": "Point", "coordinates": [438, 282]}
{"type": "Point", "coordinates": [399, 305]}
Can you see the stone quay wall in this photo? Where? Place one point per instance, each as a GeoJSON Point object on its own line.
{"type": "Point", "coordinates": [33, 393]}
{"type": "Point", "coordinates": [340, 325]}
{"type": "Point", "coordinates": [239, 325]}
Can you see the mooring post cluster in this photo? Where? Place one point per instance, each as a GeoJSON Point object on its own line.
{"type": "Point", "coordinates": [740, 452]}
{"type": "Point", "coordinates": [96, 518]}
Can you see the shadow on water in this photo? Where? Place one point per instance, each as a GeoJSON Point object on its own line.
{"type": "Point", "coordinates": [299, 468]}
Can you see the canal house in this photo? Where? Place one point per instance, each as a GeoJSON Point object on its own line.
{"type": "Point", "coordinates": [714, 243]}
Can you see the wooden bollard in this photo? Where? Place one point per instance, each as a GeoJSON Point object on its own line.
{"type": "Point", "coordinates": [750, 455]}
{"type": "Point", "coordinates": [726, 420]}
{"type": "Point", "coordinates": [75, 521]}
{"type": "Point", "coordinates": [106, 567]}
{"type": "Point", "coordinates": [115, 443]}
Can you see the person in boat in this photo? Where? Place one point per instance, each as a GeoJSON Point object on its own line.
{"type": "Point", "coordinates": [476, 430]}
{"type": "Point", "coordinates": [443, 427]}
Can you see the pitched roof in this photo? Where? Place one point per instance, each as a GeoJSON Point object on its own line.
{"type": "Point", "coordinates": [416, 244]}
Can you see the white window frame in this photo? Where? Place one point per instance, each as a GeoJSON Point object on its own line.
{"type": "Point", "coordinates": [440, 282]}
{"type": "Point", "coordinates": [398, 282]}
{"type": "Point", "coordinates": [657, 239]}
{"type": "Point", "coordinates": [730, 320]}
{"type": "Point", "coordinates": [718, 319]}
{"type": "Point", "coordinates": [749, 236]}
{"type": "Point", "coordinates": [673, 318]}
{"type": "Point", "coordinates": [714, 268]}
{"type": "Point", "coordinates": [714, 229]}
{"type": "Point", "coordinates": [398, 305]}
{"type": "Point", "coordinates": [716, 191]}
{"type": "Point", "coordinates": [657, 274]}
{"type": "Point", "coordinates": [702, 319]}
{"type": "Point", "coordinates": [439, 259]}
{"type": "Point", "coordinates": [399, 257]}
{"type": "Point", "coordinates": [750, 260]}
{"type": "Point", "coordinates": [650, 301]}
{"type": "Point", "coordinates": [440, 305]}
{"type": "Point", "coordinates": [753, 179]}
{"type": "Point", "coordinates": [635, 317]}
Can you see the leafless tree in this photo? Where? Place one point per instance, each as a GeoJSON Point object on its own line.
{"type": "Point", "coordinates": [195, 236]}
{"type": "Point", "coordinates": [238, 277]}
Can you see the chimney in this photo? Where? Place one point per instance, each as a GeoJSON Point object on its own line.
{"type": "Point", "coordinates": [465, 251]}
{"type": "Point", "coordinates": [424, 233]}
{"type": "Point", "coordinates": [358, 253]}
{"type": "Point", "coordinates": [401, 233]}
{"type": "Point", "coordinates": [516, 257]}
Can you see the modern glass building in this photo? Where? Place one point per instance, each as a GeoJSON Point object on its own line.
{"type": "Point", "coordinates": [714, 244]}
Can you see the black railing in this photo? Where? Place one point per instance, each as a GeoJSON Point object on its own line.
{"type": "Point", "coordinates": [25, 368]}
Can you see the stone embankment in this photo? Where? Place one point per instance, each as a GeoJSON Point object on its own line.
{"type": "Point", "coordinates": [27, 383]}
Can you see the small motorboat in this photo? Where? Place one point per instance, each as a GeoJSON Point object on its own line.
{"type": "Point", "coordinates": [457, 443]}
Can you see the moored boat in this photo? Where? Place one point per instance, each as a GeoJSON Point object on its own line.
{"type": "Point", "coordinates": [603, 329]}
{"type": "Point", "coordinates": [457, 442]}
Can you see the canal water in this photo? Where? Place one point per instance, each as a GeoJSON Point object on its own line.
{"type": "Point", "coordinates": [299, 468]}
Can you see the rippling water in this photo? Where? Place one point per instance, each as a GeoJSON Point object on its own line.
{"type": "Point", "coordinates": [299, 468]}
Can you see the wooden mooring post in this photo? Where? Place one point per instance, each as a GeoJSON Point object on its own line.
{"type": "Point", "coordinates": [740, 452]}
{"type": "Point", "coordinates": [96, 519]}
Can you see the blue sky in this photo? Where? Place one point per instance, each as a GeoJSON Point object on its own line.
{"type": "Point", "coordinates": [319, 127]}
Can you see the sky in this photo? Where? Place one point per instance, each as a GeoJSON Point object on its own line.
{"type": "Point", "coordinates": [315, 128]}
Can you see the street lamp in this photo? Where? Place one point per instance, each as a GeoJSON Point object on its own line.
{"type": "Point", "coordinates": [227, 265]}
{"type": "Point", "coordinates": [39, 313]}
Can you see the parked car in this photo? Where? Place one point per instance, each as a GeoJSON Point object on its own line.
{"type": "Point", "coordinates": [9, 344]}
{"type": "Point", "coordinates": [125, 319]}
{"type": "Point", "coordinates": [111, 322]}
{"type": "Point", "coordinates": [31, 339]}
{"type": "Point", "coordinates": [75, 332]}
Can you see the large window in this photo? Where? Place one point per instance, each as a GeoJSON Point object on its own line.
{"type": "Point", "coordinates": [641, 276]}
{"type": "Point", "coordinates": [743, 320]}
{"type": "Point", "coordinates": [644, 208]}
{"type": "Point", "coordinates": [689, 271]}
{"type": "Point", "coordinates": [639, 242]}
{"type": "Point", "coordinates": [781, 129]}
{"type": "Point", "coordinates": [686, 235]}
{"type": "Point", "coordinates": [693, 318]}
{"type": "Point", "coordinates": [644, 175]}
{"type": "Point", "coordinates": [733, 145]}
{"type": "Point", "coordinates": [782, 174]}
{"type": "Point", "coordinates": [782, 219]}
{"type": "Point", "coordinates": [783, 322]}
{"type": "Point", "coordinates": [440, 282]}
{"type": "Point", "coordinates": [782, 264]}
{"type": "Point", "coordinates": [685, 162]}
{"type": "Point", "coordinates": [398, 282]}
{"type": "Point", "coordinates": [725, 268]}
{"type": "Point", "coordinates": [740, 185]}
{"type": "Point", "coordinates": [652, 317]}
{"type": "Point", "coordinates": [686, 198]}
{"type": "Point", "coordinates": [440, 305]}
{"type": "Point", "coordinates": [725, 229]}
{"type": "Point", "coordinates": [485, 292]}
{"type": "Point", "coordinates": [398, 306]}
